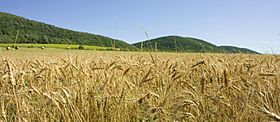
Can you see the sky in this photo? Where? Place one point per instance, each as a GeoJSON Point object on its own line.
{"type": "Point", "coordinates": [253, 24]}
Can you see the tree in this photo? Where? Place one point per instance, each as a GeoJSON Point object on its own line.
{"type": "Point", "coordinates": [45, 39]}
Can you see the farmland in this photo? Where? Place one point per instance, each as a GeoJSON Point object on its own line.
{"type": "Point", "coordinates": [86, 85]}
{"type": "Point", "coordinates": [57, 46]}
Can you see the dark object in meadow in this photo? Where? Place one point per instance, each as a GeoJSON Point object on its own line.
{"type": "Point", "coordinates": [81, 47]}
{"type": "Point", "coordinates": [16, 47]}
{"type": "Point", "coordinates": [8, 48]}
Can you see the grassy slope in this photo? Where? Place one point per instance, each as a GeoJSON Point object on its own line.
{"type": "Point", "coordinates": [37, 32]}
{"type": "Point", "coordinates": [186, 44]}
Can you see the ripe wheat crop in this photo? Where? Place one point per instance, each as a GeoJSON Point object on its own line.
{"type": "Point", "coordinates": [90, 86]}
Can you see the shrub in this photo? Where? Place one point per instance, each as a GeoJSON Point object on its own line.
{"type": "Point", "coordinates": [81, 47]}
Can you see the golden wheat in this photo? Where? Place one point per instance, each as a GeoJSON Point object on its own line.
{"type": "Point", "coordinates": [57, 85]}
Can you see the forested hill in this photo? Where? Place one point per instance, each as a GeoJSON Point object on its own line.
{"type": "Point", "coordinates": [21, 30]}
{"type": "Point", "coordinates": [186, 44]}
{"type": "Point", "coordinates": [232, 49]}
{"type": "Point", "coordinates": [30, 31]}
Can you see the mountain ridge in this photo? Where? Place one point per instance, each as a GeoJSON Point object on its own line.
{"type": "Point", "coordinates": [30, 31]}
{"type": "Point", "coordinates": [187, 44]}
{"type": "Point", "coordinates": [22, 30]}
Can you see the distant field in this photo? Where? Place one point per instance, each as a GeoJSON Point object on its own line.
{"type": "Point", "coordinates": [60, 46]}
{"type": "Point", "coordinates": [85, 86]}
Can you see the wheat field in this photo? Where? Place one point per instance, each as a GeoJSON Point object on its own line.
{"type": "Point", "coordinates": [54, 85]}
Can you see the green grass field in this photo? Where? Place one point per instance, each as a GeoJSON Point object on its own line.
{"type": "Point", "coordinates": [60, 46]}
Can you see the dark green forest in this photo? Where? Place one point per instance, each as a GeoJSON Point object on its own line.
{"type": "Point", "coordinates": [30, 31]}
{"type": "Point", "coordinates": [186, 44]}
{"type": "Point", "coordinates": [15, 29]}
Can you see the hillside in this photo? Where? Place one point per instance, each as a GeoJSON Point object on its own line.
{"type": "Point", "coordinates": [231, 49]}
{"type": "Point", "coordinates": [30, 31]}
{"type": "Point", "coordinates": [37, 32]}
{"type": "Point", "coordinates": [186, 44]}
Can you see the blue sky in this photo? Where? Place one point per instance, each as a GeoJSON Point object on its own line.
{"type": "Point", "coordinates": [253, 24]}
